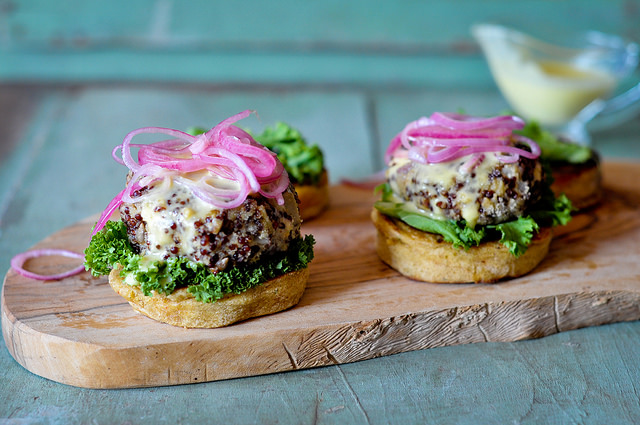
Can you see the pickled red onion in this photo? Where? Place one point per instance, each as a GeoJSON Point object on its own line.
{"type": "Point", "coordinates": [17, 263]}
{"type": "Point", "coordinates": [468, 122]}
{"type": "Point", "coordinates": [225, 152]}
{"type": "Point", "coordinates": [444, 137]}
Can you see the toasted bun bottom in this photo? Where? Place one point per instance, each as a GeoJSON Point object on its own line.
{"type": "Point", "coordinates": [313, 198]}
{"type": "Point", "coordinates": [582, 183]}
{"type": "Point", "coordinates": [180, 308]}
{"type": "Point", "coordinates": [425, 256]}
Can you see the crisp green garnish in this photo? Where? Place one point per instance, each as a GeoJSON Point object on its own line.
{"type": "Point", "coordinates": [108, 247]}
{"type": "Point", "coordinates": [516, 235]}
{"type": "Point", "coordinates": [111, 246]}
{"type": "Point", "coordinates": [303, 162]}
{"type": "Point", "coordinates": [554, 149]}
{"type": "Point", "coordinates": [555, 211]}
{"type": "Point", "coordinates": [195, 131]}
{"type": "Point", "coordinates": [236, 280]}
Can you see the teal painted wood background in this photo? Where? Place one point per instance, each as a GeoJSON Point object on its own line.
{"type": "Point", "coordinates": [399, 43]}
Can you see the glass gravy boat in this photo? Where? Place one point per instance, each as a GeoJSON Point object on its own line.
{"type": "Point", "coordinates": [564, 83]}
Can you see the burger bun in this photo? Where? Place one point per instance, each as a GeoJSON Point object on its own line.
{"type": "Point", "coordinates": [314, 199]}
{"type": "Point", "coordinates": [427, 257]}
{"type": "Point", "coordinates": [180, 308]}
{"type": "Point", "coordinates": [581, 183]}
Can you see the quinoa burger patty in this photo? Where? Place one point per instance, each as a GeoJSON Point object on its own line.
{"type": "Point", "coordinates": [173, 222]}
{"type": "Point", "coordinates": [491, 193]}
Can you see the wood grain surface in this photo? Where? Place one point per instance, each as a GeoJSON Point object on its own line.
{"type": "Point", "coordinates": [79, 332]}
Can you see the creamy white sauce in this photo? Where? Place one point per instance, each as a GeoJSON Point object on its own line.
{"type": "Point", "coordinates": [171, 209]}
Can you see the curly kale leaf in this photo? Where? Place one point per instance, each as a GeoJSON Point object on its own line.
{"type": "Point", "coordinates": [211, 287]}
{"type": "Point", "coordinates": [107, 248]}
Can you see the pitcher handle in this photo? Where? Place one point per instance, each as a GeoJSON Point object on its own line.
{"type": "Point", "coordinates": [608, 109]}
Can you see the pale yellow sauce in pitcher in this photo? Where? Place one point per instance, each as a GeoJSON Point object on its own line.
{"type": "Point", "coordinates": [548, 91]}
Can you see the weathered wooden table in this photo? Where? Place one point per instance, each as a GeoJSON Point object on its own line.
{"type": "Point", "coordinates": [59, 171]}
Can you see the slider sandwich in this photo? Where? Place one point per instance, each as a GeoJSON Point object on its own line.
{"type": "Point", "coordinates": [209, 229]}
{"type": "Point", "coordinates": [466, 199]}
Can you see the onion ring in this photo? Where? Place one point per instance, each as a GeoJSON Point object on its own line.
{"type": "Point", "coordinates": [18, 261]}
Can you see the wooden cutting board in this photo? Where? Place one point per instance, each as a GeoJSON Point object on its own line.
{"type": "Point", "coordinates": [79, 332]}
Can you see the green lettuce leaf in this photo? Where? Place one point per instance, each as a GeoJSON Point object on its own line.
{"type": "Point", "coordinates": [303, 162]}
{"type": "Point", "coordinates": [452, 231]}
{"type": "Point", "coordinates": [555, 212]}
{"type": "Point", "coordinates": [111, 246]}
{"type": "Point", "coordinates": [554, 149]}
{"type": "Point", "coordinates": [196, 131]}
{"type": "Point", "coordinates": [516, 235]}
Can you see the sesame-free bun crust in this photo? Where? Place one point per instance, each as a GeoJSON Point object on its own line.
{"type": "Point", "coordinates": [425, 256]}
{"type": "Point", "coordinates": [582, 183]}
{"type": "Point", "coordinates": [313, 198]}
{"type": "Point", "coordinates": [180, 308]}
